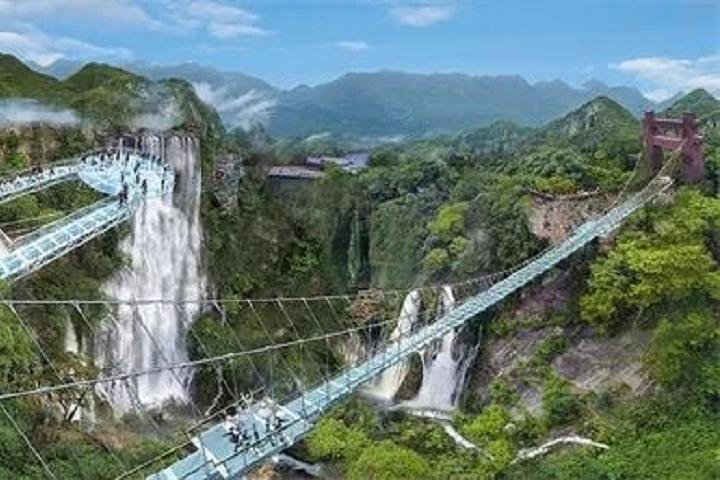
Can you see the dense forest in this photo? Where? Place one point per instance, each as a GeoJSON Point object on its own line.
{"type": "Point", "coordinates": [424, 212]}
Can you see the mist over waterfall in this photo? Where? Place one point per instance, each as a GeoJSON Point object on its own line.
{"type": "Point", "coordinates": [445, 366]}
{"type": "Point", "coordinates": [388, 383]}
{"type": "Point", "coordinates": [164, 249]}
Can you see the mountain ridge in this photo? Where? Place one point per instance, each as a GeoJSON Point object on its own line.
{"type": "Point", "coordinates": [384, 102]}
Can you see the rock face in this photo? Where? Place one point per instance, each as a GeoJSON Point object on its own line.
{"type": "Point", "coordinates": [591, 362]}
{"type": "Point", "coordinates": [540, 334]}
{"type": "Point", "coordinates": [227, 175]}
{"type": "Point", "coordinates": [595, 363]}
{"type": "Point", "coordinates": [552, 218]}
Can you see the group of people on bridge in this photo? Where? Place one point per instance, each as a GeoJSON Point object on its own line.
{"type": "Point", "coordinates": [242, 429]}
{"type": "Point", "coordinates": [137, 180]}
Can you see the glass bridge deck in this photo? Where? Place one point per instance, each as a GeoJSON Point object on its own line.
{"type": "Point", "coordinates": [126, 178]}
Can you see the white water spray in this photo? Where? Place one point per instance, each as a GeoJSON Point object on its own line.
{"type": "Point", "coordinates": [444, 367]}
{"type": "Point", "coordinates": [165, 252]}
{"type": "Point", "coordinates": [389, 382]}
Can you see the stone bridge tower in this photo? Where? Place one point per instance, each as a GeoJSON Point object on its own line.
{"type": "Point", "coordinates": [671, 134]}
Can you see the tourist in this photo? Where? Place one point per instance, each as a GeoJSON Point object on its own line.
{"type": "Point", "coordinates": [234, 435]}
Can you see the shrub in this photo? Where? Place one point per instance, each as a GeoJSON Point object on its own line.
{"type": "Point", "coordinates": [450, 220]}
{"type": "Point", "coordinates": [332, 439]}
{"type": "Point", "coordinates": [387, 461]}
{"type": "Point", "coordinates": [561, 405]}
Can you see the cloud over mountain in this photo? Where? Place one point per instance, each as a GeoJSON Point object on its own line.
{"type": "Point", "coordinates": [15, 112]}
{"type": "Point", "coordinates": [666, 76]}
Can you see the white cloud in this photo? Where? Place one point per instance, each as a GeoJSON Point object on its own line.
{"type": "Point", "coordinates": [353, 45]}
{"type": "Point", "coordinates": [658, 94]}
{"type": "Point", "coordinates": [14, 112]}
{"type": "Point", "coordinates": [117, 11]}
{"type": "Point", "coordinates": [422, 16]}
{"type": "Point", "coordinates": [231, 30]}
{"type": "Point", "coordinates": [666, 76]}
{"type": "Point", "coordinates": [218, 19]}
{"type": "Point", "coordinates": [166, 116]}
{"type": "Point", "coordinates": [219, 11]}
{"type": "Point", "coordinates": [244, 110]}
{"type": "Point", "coordinates": [32, 44]}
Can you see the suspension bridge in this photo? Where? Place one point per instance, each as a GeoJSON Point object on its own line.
{"type": "Point", "coordinates": [215, 456]}
{"type": "Point", "coordinates": [124, 177]}
{"type": "Point", "coordinates": [274, 424]}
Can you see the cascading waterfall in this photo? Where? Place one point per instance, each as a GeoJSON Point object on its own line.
{"type": "Point", "coordinates": [72, 346]}
{"type": "Point", "coordinates": [165, 252]}
{"type": "Point", "coordinates": [445, 366]}
{"type": "Point", "coordinates": [389, 382]}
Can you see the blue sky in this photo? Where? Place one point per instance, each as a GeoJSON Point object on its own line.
{"type": "Point", "coordinates": [661, 46]}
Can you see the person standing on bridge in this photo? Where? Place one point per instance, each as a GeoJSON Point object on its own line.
{"type": "Point", "coordinates": [234, 435]}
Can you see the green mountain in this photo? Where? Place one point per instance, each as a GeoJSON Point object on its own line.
{"type": "Point", "coordinates": [17, 80]}
{"type": "Point", "coordinates": [380, 104]}
{"type": "Point", "coordinates": [698, 101]}
{"type": "Point", "coordinates": [241, 100]}
{"type": "Point", "coordinates": [590, 147]}
{"type": "Point", "coordinates": [599, 120]}
{"type": "Point", "coordinates": [110, 96]}
{"type": "Point", "coordinates": [396, 103]}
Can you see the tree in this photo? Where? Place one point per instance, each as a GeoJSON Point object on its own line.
{"type": "Point", "coordinates": [331, 439]}
{"type": "Point", "coordinates": [560, 404]}
{"type": "Point", "coordinates": [387, 461]}
{"type": "Point", "coordinates": [685, 352]}
{"type": "Point", "coordinates": [638, 274]}
{"type": "Point", "coordinates": [669, 258]}
{"type": "Point", "coordinates": [450, 221]}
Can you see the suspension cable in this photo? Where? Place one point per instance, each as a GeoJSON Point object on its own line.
{"type": "Point", "coordinates": [180, 365]}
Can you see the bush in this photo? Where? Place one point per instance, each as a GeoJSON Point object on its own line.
{"type": "Point", "coordinates": [488, 425]}
{"type": "Point", "coordinates": [686, 352]}
{"type": "Point", "coordinates": [436, 260]}
{"type": "Point", "coordinates": [450, 220]}
{"type": "Point", "coordinates": [556, 185]}
{"type": "Point", "coordinates": [331, 439]}
{"type": "Point", "coordinates": [560, 404]}
{"type": "Point", "coordinates": [387, 461]}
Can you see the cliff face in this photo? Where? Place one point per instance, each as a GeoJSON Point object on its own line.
{"type": "Point", "coordinates": [553, 218]}
{"type": "Point", "coordinates": [537, 337]}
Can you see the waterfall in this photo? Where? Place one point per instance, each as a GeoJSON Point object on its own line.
{"type": "Point", "coordinates": [387, 384]}
{"type": "Point", "coordinates": [164, 248]}
{"type": "Point", "coordinates": [444, 366]}
{"type": "Point", "coordinates": [71, 343]}
{"type": "Point", "coordinates": [74, 345]}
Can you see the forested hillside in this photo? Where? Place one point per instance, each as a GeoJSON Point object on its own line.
{"type": "Point", "coordinates": [620, 345]}
{"type": "Point", "coordinates": [461, 205]}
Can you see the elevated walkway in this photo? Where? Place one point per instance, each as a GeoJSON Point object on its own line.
{"type": "Point", "coordinates": [126, 178]}
{"type": "Point", "coordinates": [215, 456]}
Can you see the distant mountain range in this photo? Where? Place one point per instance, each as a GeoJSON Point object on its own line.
{"type": "Point", "coordinates": [385, 103]}
{"type": "Point", "coordinates": [106, 95]}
